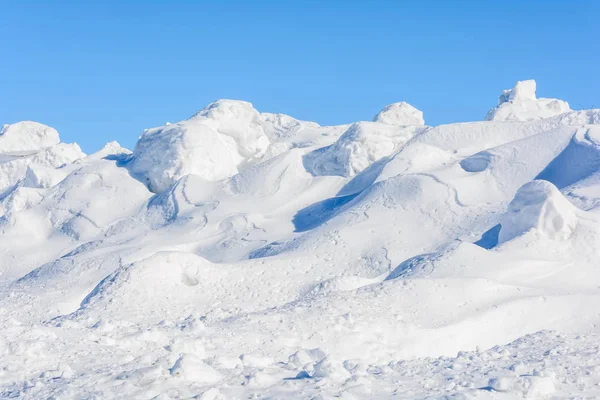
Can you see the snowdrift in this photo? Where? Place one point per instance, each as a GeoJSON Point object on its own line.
{"type": "Point", "coordinates": [241, 253]}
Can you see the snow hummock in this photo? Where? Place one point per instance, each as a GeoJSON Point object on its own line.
{"type": "Point", "coordinates": [26, 137]}
{"type": "Point", "coordinates": [400, 113]}
{"type": "Point", "coordinates": [521, 104]}
{"type": "Point", "coordinates": [217, 142]}
{"type": "Point", "coordinates": [212, 144]}
{"type": "Point", "coordinates": [239, 121]}
{"type": "Point", "coordinates": [360, 146]}
{"type": "Point", "coordinates": [538, 206]}
{"type": "Point", "coordinates": [191, 367]}
{"type": "Point", "coordinates": [31, 154]}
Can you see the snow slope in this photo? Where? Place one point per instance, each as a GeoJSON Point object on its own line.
{"type": "Point", "coordinates": [240, 254]}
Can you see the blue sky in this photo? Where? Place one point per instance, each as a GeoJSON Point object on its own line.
{"type": "Point", "coordinates": [101, 71]}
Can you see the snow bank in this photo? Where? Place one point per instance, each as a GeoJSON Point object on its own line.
{"type": "Point", "coordinates": [359, 147]}
{"type": "Point", "coordinates": [521, 104]}
{"type": "Point", "coordinates": [538, 206]}
{"type": "Point", "coordinates": [26, 137]}
{"type": "Point", "coordinates": [400, 113]}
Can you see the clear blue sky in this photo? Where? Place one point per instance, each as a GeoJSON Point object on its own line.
{"type": "Point", "coordinates": [100, 71]}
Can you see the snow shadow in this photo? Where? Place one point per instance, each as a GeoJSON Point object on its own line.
{"type": "Point", "coordinates": [489, 239]}
{"type": "Point", "coordinates": [122, 161]}
{"type": "Point", "coordinates": [316, 214]}
{"type": "Point", "coordinates": [575, 162]}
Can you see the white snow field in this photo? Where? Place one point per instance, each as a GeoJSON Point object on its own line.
{"type": "Point", "coordinates": [240, 254]}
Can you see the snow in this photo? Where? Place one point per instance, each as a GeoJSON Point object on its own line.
{"type": "Point", "coordinates": [191, 367]}
{"type": "Point", "coordinates": [240, 254]}
{"type": "Point", "coordinates": [538, 206]}
{"type": "Point", "coordinates": [15, 165]}
{"type": "Point", "coordinates": [217, 142]}
{"type": "Point", "coordinates": [359, 147]}
{"type": "Point", "coordinates": [521, 104]}
{"type": "Point", "coordinates": [400, 113]}
{"type": "Point", "coordinates": [26, 137]}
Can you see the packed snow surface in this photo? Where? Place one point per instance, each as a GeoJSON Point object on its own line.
{"type": "Point", "coordinates": [244, 254]}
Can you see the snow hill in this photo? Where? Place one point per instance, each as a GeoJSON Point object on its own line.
{"type": "Point", "coordinates": [243, 254]}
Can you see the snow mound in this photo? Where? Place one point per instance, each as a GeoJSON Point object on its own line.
{"type": "Point", "coordinates": [27, 137]}
{"type": "Point", "coordinates": [171, 274]}
{"type": "Point", "coordinates": [521, 104]}
{"type": "Point", "coordinates": [400, 113]}
{"type": "Point", "coordinates": [359, 147]}
{"type": "Point", "coordinates": [539, 206]}
{"type": "Point", "coordinates": [163, 155]}
{"type": "Point", "coordinates": [239, 121]}
{"type": "Point", "coordinates": [46, 162]}
{"type": "Point", "coordinates": [216, 143]}
{"type": "Point", "coordinates": [191, 367]}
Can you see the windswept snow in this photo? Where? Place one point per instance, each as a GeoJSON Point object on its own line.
{"type": "Point", "coordinates": [244, 254]}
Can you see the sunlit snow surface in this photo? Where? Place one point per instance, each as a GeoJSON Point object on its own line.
{"type": "Point", "coordinates": [240, 254]}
